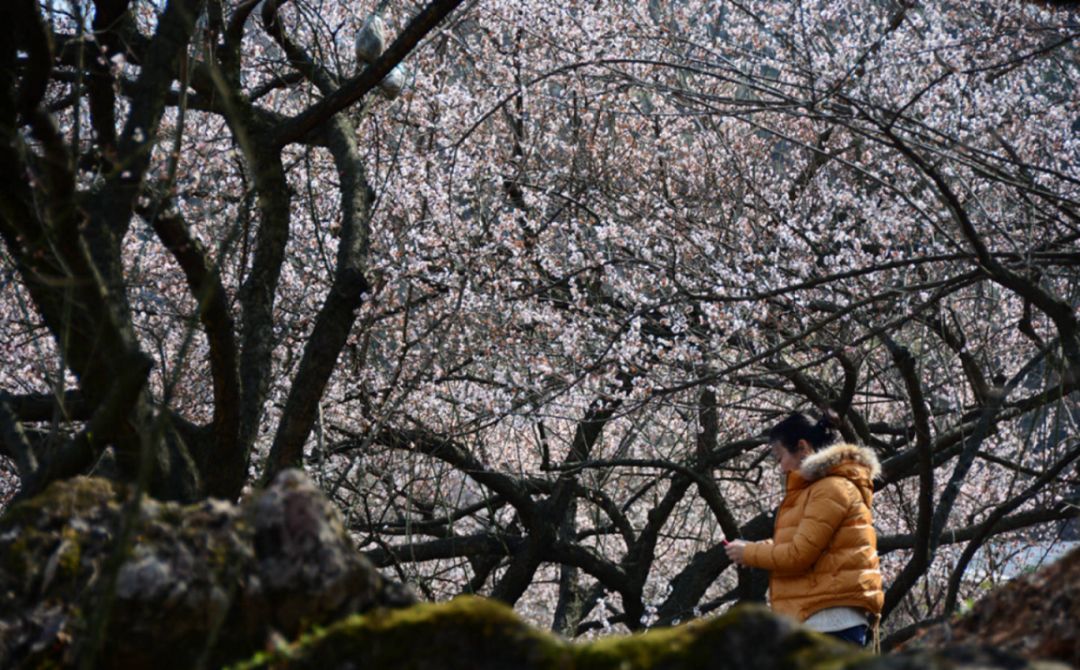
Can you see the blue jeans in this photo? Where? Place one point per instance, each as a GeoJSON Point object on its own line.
{"type": "Point", "coordinates": [855, 634]}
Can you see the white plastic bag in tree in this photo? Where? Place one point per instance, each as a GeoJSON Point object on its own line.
{"type": "Point", "coordinates": [371, 40]}
{"type": "Point", "coordinates": [393, 83]}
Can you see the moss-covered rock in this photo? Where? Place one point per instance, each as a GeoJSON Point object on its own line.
{"type": "Point", "coordinates": [196, 585]}
{"type": "Point", "coordinates": [469, 631]}
{"type": "Point", "coordinates": [205, 585]}
{"type": "Point", "coordinates": [1036, 615]}
{"type": "Point", "coordinates": [477, 634]}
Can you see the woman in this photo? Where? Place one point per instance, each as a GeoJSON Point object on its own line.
{"type": "Point", "coordinates": [822, 560]}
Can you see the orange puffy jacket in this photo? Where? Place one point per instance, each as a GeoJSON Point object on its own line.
{"type": "Point", "coordinates": [824, 549]}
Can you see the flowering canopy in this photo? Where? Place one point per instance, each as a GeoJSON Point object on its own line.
{"type": "Point", "coordinates": [526, 320]}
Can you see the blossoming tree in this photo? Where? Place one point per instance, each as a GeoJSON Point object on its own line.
{"type": "Point", "coordinates": [522, 283]}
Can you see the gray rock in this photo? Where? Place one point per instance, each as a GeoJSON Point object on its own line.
{"type": "Point", "coordinates": [214, 583]}
{"type": "Point", "coordinates": [203, 584]}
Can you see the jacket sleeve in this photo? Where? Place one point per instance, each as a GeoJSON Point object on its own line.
{"type": "Point", "coordinates": [825, 511]}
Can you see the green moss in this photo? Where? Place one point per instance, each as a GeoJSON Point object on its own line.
{"type": "Point", "coordinates": [70, 553]}
{"type": "Point", "coordinates": [220, 556]}
{"type": "Point", "coordinates": [632, 652]}
{"type": "Point", "coordinates": [67, 497]}
{"type": "Point", "coordinates": [61, 500]}
{"type": "Point", "coordinates": [476, 633]}
{"type": "Point", "coordinates": [747, 636]}
{"type": "Point", "coordinates": [430, 635]}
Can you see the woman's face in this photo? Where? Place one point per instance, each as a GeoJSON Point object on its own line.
{"type": "Point", "coordinates": [790, 461]}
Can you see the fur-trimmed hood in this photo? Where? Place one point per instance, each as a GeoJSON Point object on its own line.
{"type": "Point", "coordinates": [858, 465]}
{"type": "Point", "coordinates": [821, 463]}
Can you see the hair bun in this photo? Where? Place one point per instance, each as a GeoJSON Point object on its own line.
{"type": "Point", "coordinates": [798, 426]}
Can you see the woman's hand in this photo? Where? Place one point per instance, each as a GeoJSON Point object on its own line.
{"type": "Point", "coordinates": [735, 550]}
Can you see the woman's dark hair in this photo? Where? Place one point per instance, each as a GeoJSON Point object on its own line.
{"type": "Point", "coordinates": [798, 426]}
